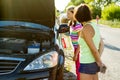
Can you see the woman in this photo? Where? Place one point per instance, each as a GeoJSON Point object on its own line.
{"type": "Point", "coordinates": [90, 61]}
{"type": "Point", "coordinates": [75, 29]}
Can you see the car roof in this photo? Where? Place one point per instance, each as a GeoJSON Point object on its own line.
{"type": "Point", "coordinates": [35, 11]}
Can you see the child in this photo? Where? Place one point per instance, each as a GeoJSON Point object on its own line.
{"type": "Point", "coordinates": [75, 29]}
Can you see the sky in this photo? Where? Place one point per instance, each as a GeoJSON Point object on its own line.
{"type": "Point", "coordinates": [61, 4]}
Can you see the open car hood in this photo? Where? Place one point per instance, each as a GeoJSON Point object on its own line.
{"type": "Point", "coordinates": [35, 11]}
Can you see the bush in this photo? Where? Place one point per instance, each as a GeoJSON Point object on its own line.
{"type": "Point", "coordinates": [111, 12]}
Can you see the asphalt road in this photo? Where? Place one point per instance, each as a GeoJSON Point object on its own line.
{"type": "Point", "coordinates": [110, 56]}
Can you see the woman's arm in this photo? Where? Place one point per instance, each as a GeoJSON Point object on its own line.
{"type": "Point", "coordinates": [88, 33]}
{"type": "Point", "coordinates": [101, 47]}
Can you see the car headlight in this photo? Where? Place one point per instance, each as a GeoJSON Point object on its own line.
{"type": "Point", "coordinates": [45, 61]}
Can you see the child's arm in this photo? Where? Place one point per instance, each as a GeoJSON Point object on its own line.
{"type": "Point", "coordinates": [78, 30]}
{"type": "Point", "coordinates": [76, 53]}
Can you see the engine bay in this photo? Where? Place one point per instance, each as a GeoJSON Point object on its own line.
{"type": "Point", "coordinates": [22, 46]}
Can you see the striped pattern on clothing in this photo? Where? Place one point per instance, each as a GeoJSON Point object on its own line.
{"type": "Point", "coordinates": [74, 34]}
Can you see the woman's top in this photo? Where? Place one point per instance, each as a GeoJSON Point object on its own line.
{"type": "Point", "coordinates": [86, 55]}
{"type": "Point", "coordinates": [74, 34]}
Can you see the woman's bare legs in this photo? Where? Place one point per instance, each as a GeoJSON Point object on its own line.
{"type": "Point", "coordinates": [85, 76]}
{"type": "Point", "coordinates": [96, 77]}
{"type": "Point", "coordinates": [88, 76]}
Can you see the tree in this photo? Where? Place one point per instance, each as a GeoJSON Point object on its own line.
{"type": "Point", "coordinates": [77, 2]}
{"type": "Point", "coordinates": [103, 3]}
{"type": "Point", "coordinates": [111, 12]}
{"type": "Point", "coordinates": [96, 10]}
{"type": "Point", "coordinates": [88, 1]}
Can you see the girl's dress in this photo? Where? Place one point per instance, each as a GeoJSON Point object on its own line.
{"type": "Point", "coordinates": [74, 37]}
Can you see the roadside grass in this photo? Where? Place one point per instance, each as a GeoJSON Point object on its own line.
{"type": "Point", "coordinates": [113, 24]}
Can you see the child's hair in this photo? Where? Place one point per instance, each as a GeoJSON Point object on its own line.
{"type": "Point", "coordinates": [63, 18]}
{"type": "Point", "coordinates": [82, 13]}
{"type": "Point", "coordinates": [71, 23]}
{"type": "Point", "coordinates": [71, 9]}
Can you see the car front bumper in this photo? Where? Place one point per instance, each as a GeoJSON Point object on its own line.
{"type": "Point", "coordinates": [49, 74]}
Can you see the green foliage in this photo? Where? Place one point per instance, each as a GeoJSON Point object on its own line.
{"type": "Point", "coordinates": [77, 2]}
{"type": "Point", "coordinates": [96, 10]}
{"type": "Point", "coordinates": [111, 12]}
{"type": "Point", "coordinates": [88, 1]}
{"type": "Point", "coordinates": [111, 23]}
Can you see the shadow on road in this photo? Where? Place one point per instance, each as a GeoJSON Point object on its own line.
{"type": "Point", "coordinates": [112, 47]}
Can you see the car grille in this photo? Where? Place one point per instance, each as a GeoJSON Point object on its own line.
{"type": "Point", "coordinates": [8, 65]}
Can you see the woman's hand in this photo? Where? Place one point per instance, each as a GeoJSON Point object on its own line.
{"type": "Point", "coordinates": [102, 67]}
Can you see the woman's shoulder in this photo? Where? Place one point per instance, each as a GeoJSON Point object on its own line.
{"type": "Point", "coordinates": [88, 28]}
{"type": "Point", "coordinates": [88, 25]}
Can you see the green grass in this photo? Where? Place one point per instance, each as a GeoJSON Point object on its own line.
{"type": "Point", "coordinates": [113, 24]}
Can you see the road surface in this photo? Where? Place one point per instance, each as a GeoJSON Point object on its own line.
{"type": "Point", "coordinates": [111, 54]}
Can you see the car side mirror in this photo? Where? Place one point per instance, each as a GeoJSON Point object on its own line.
{"type": "Point", "coordinates": [63, 28]}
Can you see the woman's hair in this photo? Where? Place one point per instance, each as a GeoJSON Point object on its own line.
{"type": "Point", "coordinates": [82, 13]}
{"type": "Point", "coordinates": [71, 9]}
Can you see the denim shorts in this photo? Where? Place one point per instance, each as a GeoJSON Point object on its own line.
{"type": "Point", "coordinates": [89, 68]}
